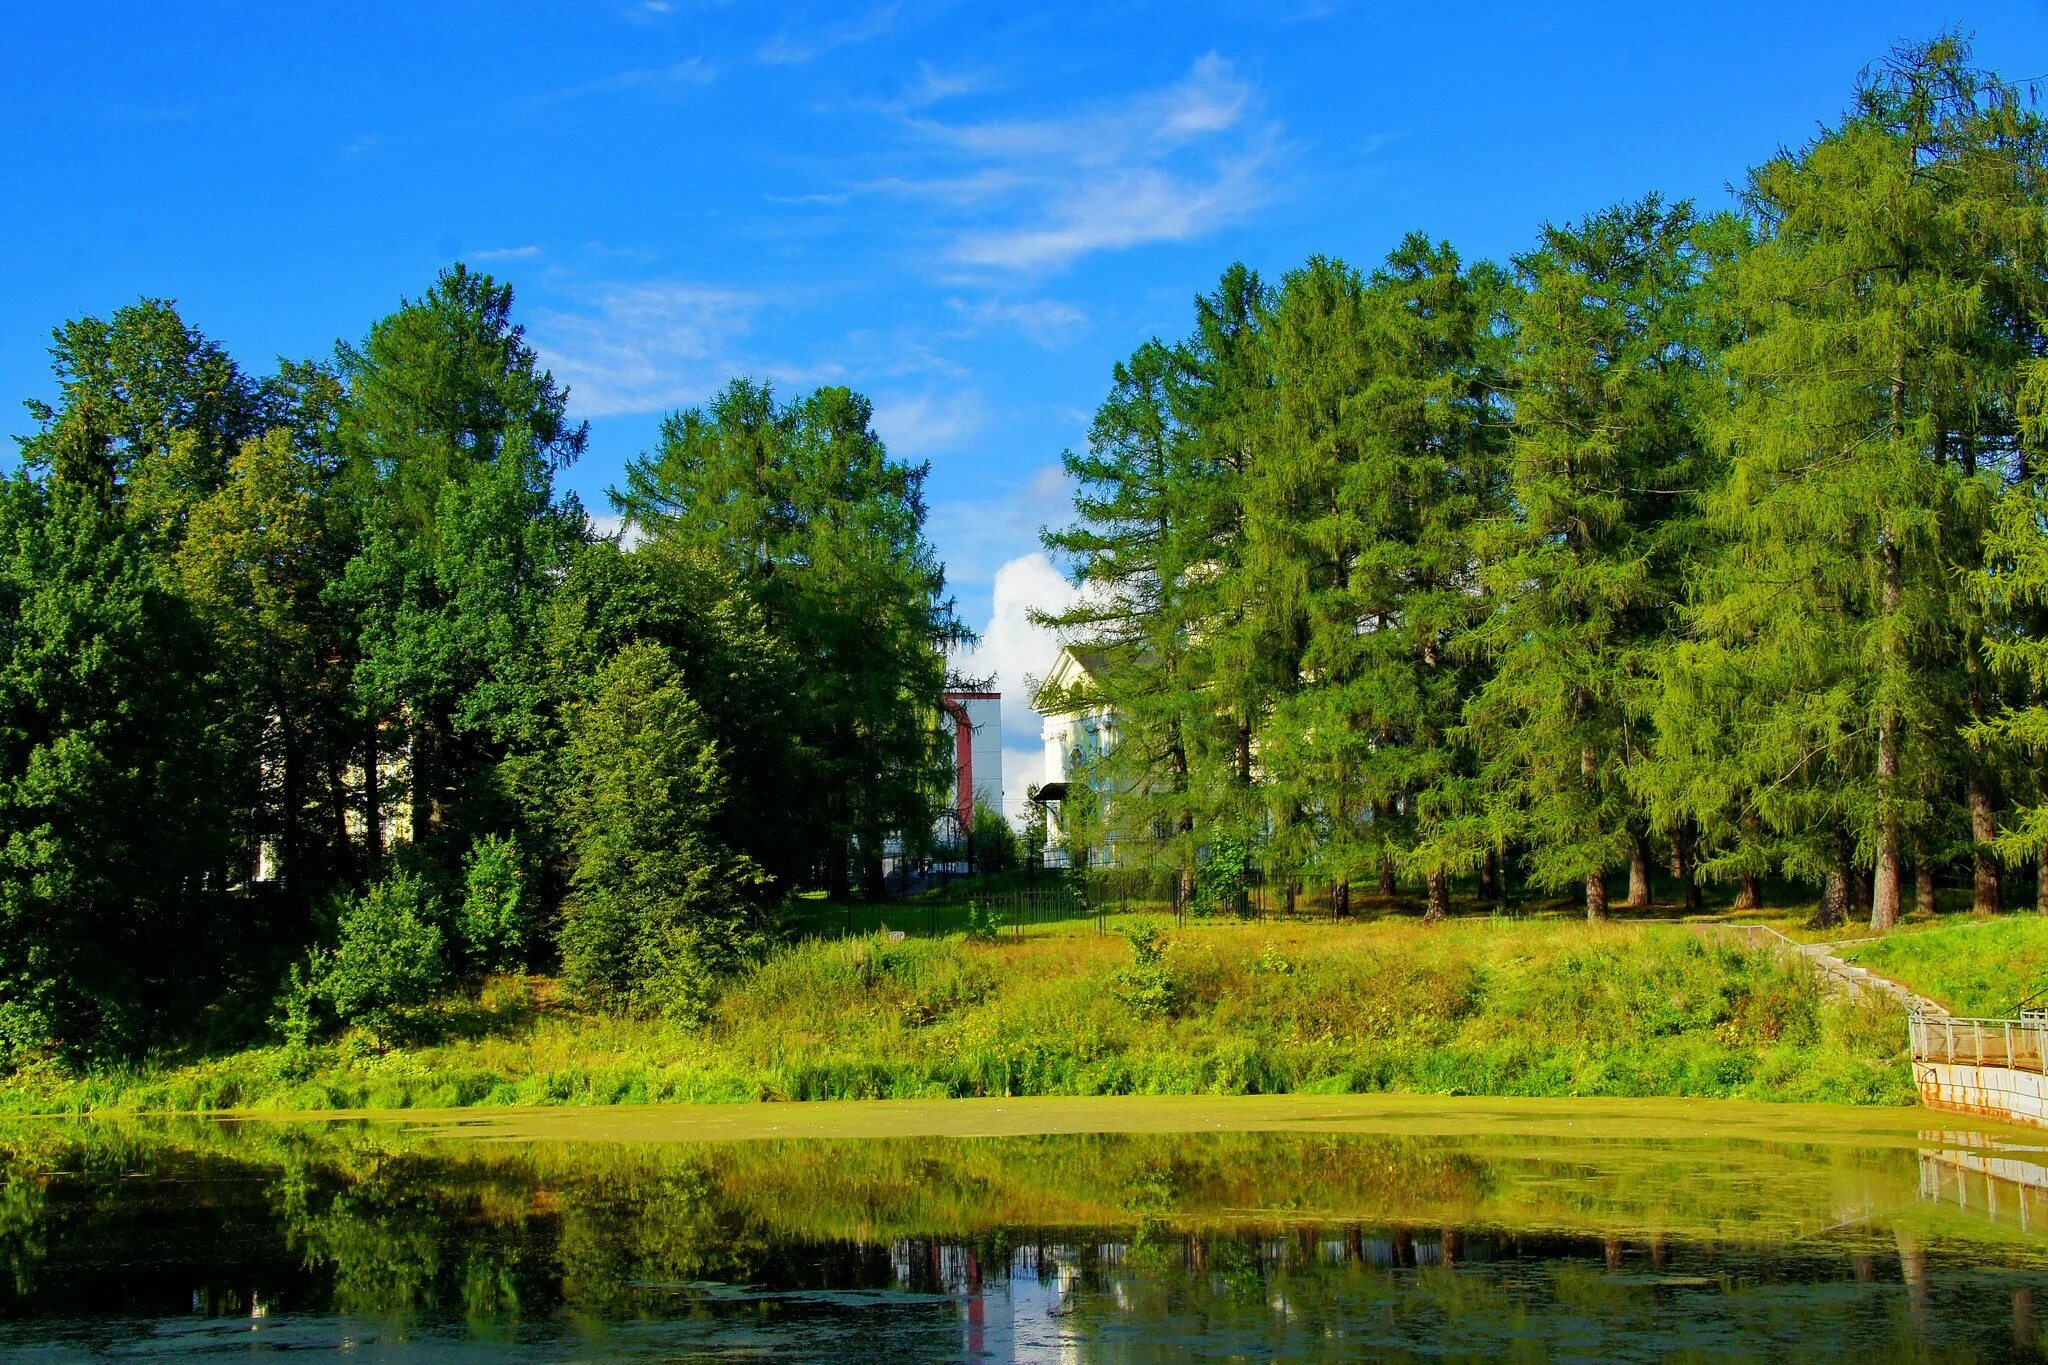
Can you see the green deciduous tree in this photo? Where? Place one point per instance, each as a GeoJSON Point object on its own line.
{"type": "Point", "coordinates": [113, 839]}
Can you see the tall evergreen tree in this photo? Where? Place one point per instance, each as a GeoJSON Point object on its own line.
{"type": "Point", "coordinates": [451, 433]}
{"type": "Point", "coordinates": [1603, 453]}
{"type": "Point", "coordinates": [826, 533]}
{"type": "Point", "coordinates": [1134, 550]}
{"type": "Point", "coordinates": [1872, 402]}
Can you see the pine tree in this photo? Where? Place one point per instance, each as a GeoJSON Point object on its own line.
{"type": "Point", "coordinates": [1134, 549]}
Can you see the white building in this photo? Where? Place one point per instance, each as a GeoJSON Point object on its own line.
{"type": "Point", "coordinates": [1075, 730]}
{"type": "Point", "coordinates": [976, 721]}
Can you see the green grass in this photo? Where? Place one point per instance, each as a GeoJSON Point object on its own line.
{"type": "Point", "coordinates": [1982, 967]}
{"type": "Point", "coordinates": [1476, 1006]}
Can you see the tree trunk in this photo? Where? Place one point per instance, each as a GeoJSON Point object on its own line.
{"type": "Point", "coordinates": [2041, 886]}
{"type": "Point", "coordinates": [1288, 900]}
{"type": "Point", "coordinates": [1487, 872]}
{"type": "Point", "coordinates": [1681, 868]}
{"type": "Point", "coordinates": [838, 876]}
{"type": "Point", "coordinates": [1638, 872]}
{"type": "Point", "coordinates": [1884, 891]}
{"type": "Point", "coordinates": [1386, 874]}
{"type": "Point", "coordinates": [1983, 829]}
{"type": "Point", "coordinates": [1923, 884]}
{"type": "Point", "coordinates": [1340, 898]}
{"type": "Point", "coordinates": [1749, 893]}
{"type": "Point", "coordinates": [1596, 895]}
{"type": "Point", "coordinates": [1439, 897]}
{"type": "Point", "coordinates": [1835, 897]}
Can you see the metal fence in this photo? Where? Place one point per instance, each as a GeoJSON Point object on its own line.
{"type": "Point", "coordinates": [2017, 1043]}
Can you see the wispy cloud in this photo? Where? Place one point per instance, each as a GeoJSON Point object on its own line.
{"type": "Point", "coordinates": [645, 347]}
{"type": "Point", "coordinates": [1048, 322]}
{"type": "Point", "coordinates": [811, 36]}
{"type": "Point", "coordinates": [506, 253]}
{"type": "Point", "coordinates": [976, 536]}
{"type": "Point", "coordinates": [694, 71]}
{"type": "Point", "coordinates": [933, 86]}
{"type": "Point", "coordinates": [1036, 194]}
{"type": "Point", "coordinates": [932, 423]}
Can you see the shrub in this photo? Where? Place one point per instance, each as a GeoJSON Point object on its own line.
{"type": "Point", "coordinates": [995, 843]}
{"type": "Point", "coordinates": [496, 905]}
{"type": "Point", "coordinates": [388, 954]}
{"type": "Point", "coordinates": [1225, 878]}
{"type": "Point", "coordinates": [983, 922]}
{"type": "Point", "coordinates": [1147, 987]}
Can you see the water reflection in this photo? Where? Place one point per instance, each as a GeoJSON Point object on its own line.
{"type": "Point", "coordinates": [174, 1238]}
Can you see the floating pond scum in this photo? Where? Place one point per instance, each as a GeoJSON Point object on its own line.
{"type": "Point", "coordinates": [1384, 1228]}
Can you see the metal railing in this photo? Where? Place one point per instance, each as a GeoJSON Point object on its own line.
{"type": "Point", "coordinates": [2018, 1043]}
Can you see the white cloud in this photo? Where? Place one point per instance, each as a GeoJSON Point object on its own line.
{"type": "Point", "coordinates": [612, 525]}
{"type": "Point", "coordinates": [978, 538]}
{"type": "Point", "coordinates": [919, 425]}
{"type": "Point", "coordinates": [1037, 194]}
{"type": "Point", "coordinates": [1017, 654]}
{"type": "Point", "coordinates": [645, 347]}
{"type": "Point", "coordinates": [934, 86]}
{"type": "Point", "coordinates": [506, 253]}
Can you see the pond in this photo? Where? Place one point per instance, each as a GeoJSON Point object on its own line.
{"type": "Point", "coordinates": [1255, 1230]}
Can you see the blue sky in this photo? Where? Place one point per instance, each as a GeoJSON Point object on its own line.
{"type": "Point", "coordinates": [967, 211]}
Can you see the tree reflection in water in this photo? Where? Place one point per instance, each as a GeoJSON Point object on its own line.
{"type": "Point", "coordinates": [173, 1236]}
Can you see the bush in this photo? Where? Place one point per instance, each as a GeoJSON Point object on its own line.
{"type": "Point", "coordinates": [982, 921]}
{"type": "Point", "coordinates": [388, 954]}
{"type": "Point", "coordinates": [495, 903]}
{"type": "Point", "coordinates": [1225, 878]}
{"type": "Point", "coordinates": [1147, 986]}
{"type": "Point", "coordinates": [995, 843]}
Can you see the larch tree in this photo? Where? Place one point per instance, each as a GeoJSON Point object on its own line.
{"type": "Point", "coordinates": [825, 532]}
{"type": "Point", "coordinates": [1580, 576]}
{"type": "Point", "coordinates": [1872, 393]}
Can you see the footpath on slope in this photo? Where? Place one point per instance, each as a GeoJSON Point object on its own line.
{"type": "Point", "coordinates": [1846, 976]}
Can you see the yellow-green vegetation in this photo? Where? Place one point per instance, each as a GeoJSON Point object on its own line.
{"type": "Point", "coordinates": [1984, 967]}
{"type": "Point", "coordinates": [1474, 1007]}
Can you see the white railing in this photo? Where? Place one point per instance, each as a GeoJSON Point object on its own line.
{"type": "Point", "coordinates": [2018, 1043]}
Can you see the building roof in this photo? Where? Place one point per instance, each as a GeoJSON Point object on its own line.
{"type": "Point", "coordinates": [1075, 671]}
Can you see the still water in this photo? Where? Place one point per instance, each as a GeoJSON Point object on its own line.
{"type": "Point", "coordinates": [383, 1242]}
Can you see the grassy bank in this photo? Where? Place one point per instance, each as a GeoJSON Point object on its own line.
{"type": "Point", "coordinates": [1474, 1007]}
{"type": "Point", "coordinates": [1983, 967]}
